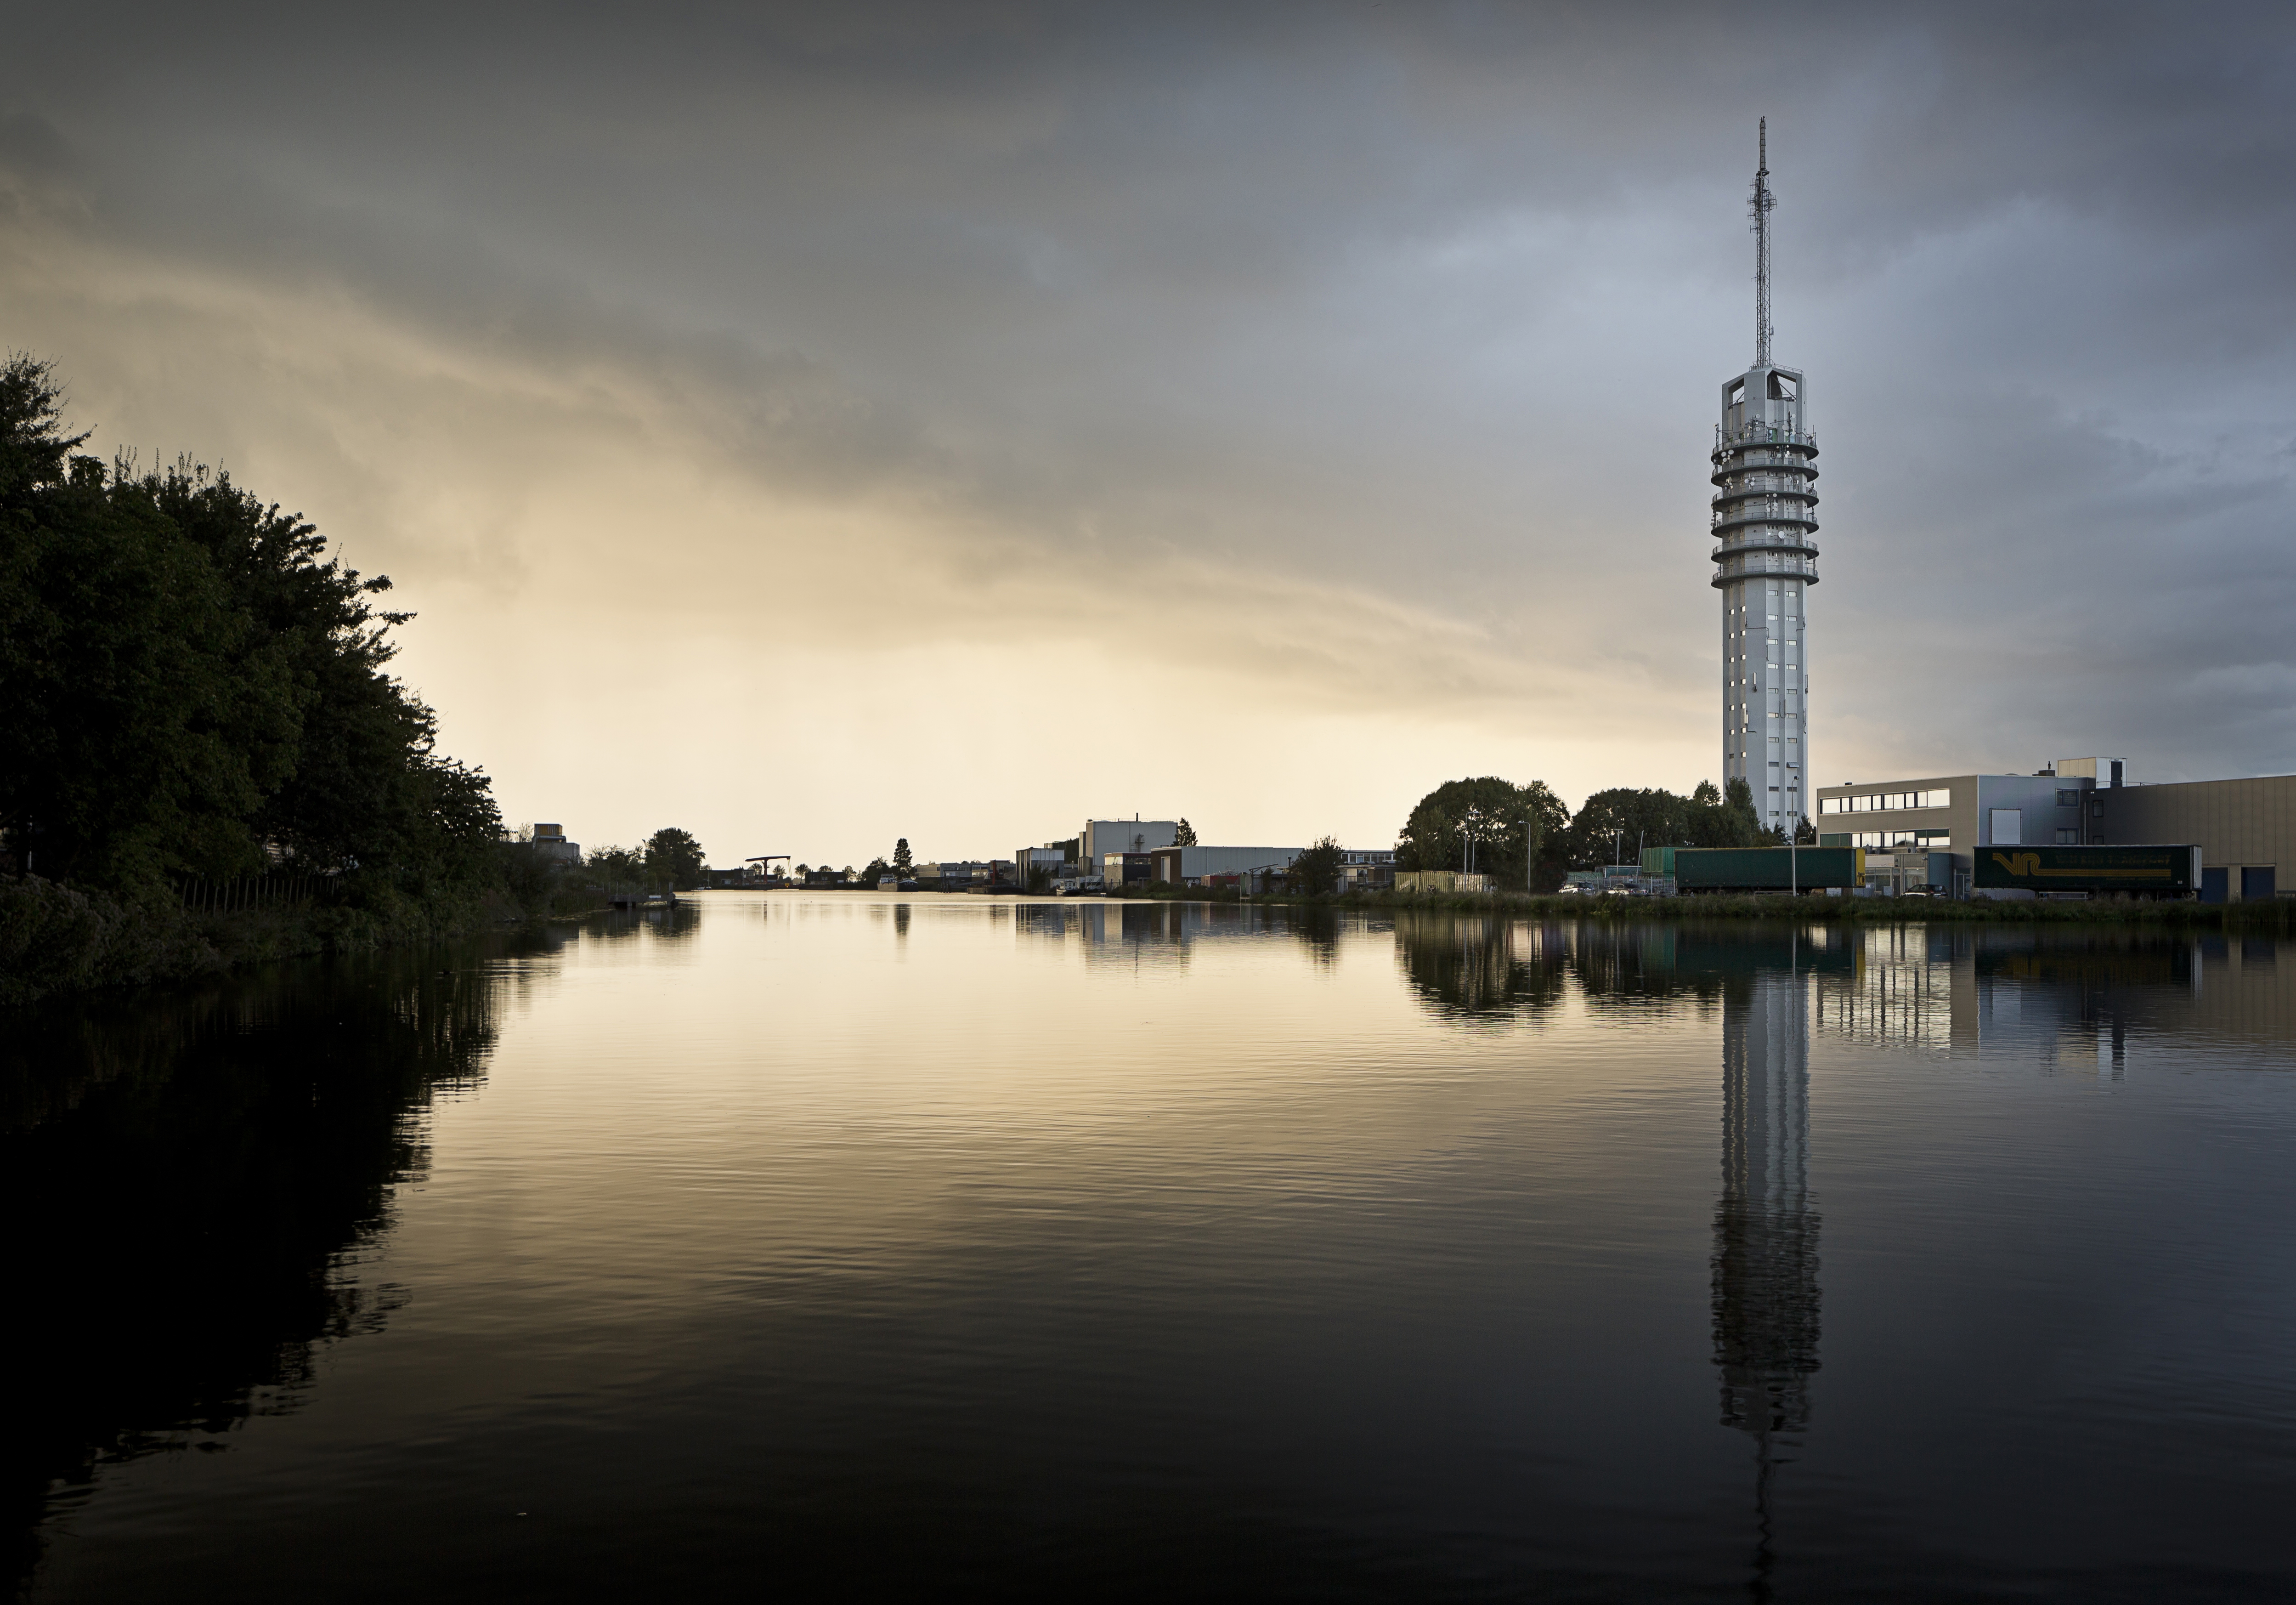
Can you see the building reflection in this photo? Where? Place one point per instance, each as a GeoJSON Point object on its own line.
{"type": "Point", "coordinates": [1147, 936]}
{"type": "Point", "coordinates": [1765, 1228]}
{"type": "Point", "coordinates": [1766, 1294]}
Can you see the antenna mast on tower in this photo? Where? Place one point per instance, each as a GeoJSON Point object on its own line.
{"type": "Point", "coordinates": [1760, 207]}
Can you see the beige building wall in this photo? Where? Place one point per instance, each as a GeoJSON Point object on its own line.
{"type": "Point", "coordinates": [2239, 824]}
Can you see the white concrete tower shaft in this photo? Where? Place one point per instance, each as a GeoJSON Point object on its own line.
{"type": "Point", "coordinates": [1765, 524]}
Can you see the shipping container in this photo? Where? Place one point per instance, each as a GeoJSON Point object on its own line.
{"type": "Point", "coordinates": [2171, 870]}
{"type": "Point", "coordinates": [1766, 869]}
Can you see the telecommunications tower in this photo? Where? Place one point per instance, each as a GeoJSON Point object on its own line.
{"type": "Point", "coordinates": [1766, 557]}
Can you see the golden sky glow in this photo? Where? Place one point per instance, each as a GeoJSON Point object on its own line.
{"type": "Point", "coordinates": [961, 423]}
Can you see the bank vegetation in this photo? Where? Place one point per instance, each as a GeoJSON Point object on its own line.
{"type": "Point", "coordinates": [205, 758]}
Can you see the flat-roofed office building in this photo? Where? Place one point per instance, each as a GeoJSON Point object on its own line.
{"type": "Point", "coordinates": [1958, 814]}
{"type": "Point", "coordinates": [2245, 829]}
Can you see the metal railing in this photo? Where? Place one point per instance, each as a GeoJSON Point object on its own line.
{"type": "Point", "coordinates": [202, 895]}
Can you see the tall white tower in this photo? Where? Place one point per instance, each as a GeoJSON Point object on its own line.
{"type": "Point", "coordinates": [1766, 557]}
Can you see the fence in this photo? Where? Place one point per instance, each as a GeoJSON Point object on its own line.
{"type": "Point", "coordinates": [201, 896]}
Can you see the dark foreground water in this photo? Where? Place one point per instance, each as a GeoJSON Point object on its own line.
{"type": "Point", "coordinates": [841, 1248]}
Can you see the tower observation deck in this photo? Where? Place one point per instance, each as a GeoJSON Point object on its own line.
{"type": "Point", "coordinates": [1765, 523]}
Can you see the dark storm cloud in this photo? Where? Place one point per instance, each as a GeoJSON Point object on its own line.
{"type": "Point", "coordinates": [1427, 303]}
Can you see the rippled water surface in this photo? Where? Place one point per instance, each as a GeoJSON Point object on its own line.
{"type": "Point", "coordinates": [841, 1247]}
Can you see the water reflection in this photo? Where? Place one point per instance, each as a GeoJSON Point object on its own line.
{"type": "Point", "coordinates": [1392, 1259]}
{"type": "Point", "coordinates": [1766, 1300]}
{"type": "Point", "coordinates": [1488, 968]}
{"type": "Point", "coordinates": [189, 1185]}
{"type": "Point", "coordinates": [1161, 936]}
{"type": "Point", "coordinates": [1766, 1293]}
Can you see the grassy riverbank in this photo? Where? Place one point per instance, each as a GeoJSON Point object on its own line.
{"type": "Point", "coordinates": [56, 939]}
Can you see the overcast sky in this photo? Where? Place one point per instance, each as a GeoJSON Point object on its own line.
{"type": "Point", "coordinates": [953, 421]}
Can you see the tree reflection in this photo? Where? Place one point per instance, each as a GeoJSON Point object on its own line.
{"type": "Point", "coordinates": [1317, 927]}
{"type": "Point", "coordinates": [186, 1180]}
{"type": "Point", "coordinates": [1479, 966]}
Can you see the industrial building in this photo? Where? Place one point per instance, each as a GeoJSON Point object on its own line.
{"type": "Point", "coordinates": [1921, 833]}
{"type": "Point", "coordinates": [1027, 860]}
{"type": "Point", "coordinates": [1101, 837]}
{"type": "Point", "coordinates": [2246, 830]}
{"type": "Point", "coordinates": [549, 841]}
{"type": "Point", "coordinates": [1185, 865]}
{"type": "Point", "coordinates": [1764, 524]}
{"type": "Point", "coordinates": [1924, 832]}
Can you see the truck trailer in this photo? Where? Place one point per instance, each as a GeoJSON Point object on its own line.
{"type": "Point", "coordinates": [2163, 872]}
{"type": "Point", "coordinates": [1759, 868]}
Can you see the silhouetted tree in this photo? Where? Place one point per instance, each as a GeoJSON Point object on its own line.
{"type": "Point", "coordinates": [674, 856]}
{"type": "Point", "coordinates": [1510, 824]}
{"type": "Point", "coordinates": [615, 869]}
{"type": "Point", "coordinates": [1186, 835]}
{"type": "Point", "coordinates": [1316, 870]}
{"type": "Point", "coordinates": [192, 685]}
{"type": "Point", "coordinates": [1619, 820]}
{"type": "Point", "coordinates": [902, 862]}
{"type": "Point", "coordinates": [1717, 822]}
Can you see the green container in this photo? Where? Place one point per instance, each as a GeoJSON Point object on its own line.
{"type": "Point", "coordinates": [2150, 868]}
{"type": "Point", "coordinates": [1767, 868]}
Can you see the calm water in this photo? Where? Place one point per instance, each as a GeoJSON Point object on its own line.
{"type": "Point", "coordinates": [845, 1246]}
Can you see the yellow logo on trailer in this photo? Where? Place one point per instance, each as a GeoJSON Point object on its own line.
{"type": "Point", "coordinates": [2027, 866]}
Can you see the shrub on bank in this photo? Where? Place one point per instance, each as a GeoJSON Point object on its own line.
{"type": "Point", "coordinates": [56, 938]}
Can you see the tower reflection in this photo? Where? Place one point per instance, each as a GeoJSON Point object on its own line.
{"type": "Point", "coordinates": [1766, 1293]}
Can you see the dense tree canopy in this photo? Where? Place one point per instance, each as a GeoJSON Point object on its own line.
{"type": "Point", "coordinates": [193, 686]}
{"type": "Point", "coordinates": [1317, 869]}
{"type": "Point", "coordinates": [1623, 818]}
{"type": "Point", "coordinates": [1509, 826]}
{"type": "Point", "coordinates": [673, 855]}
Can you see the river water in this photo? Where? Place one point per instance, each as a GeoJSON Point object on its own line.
{"type": "Point", "coordinates": [838, 1246]}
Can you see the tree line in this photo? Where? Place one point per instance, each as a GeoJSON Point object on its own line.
{"type": "Point", "coordinates": [1524, 835]}
{"type": "Point", "coordinates": [194, 685]}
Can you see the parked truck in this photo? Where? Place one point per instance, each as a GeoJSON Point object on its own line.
{"type": "Point", "coordinates": [1757, 868]}
{"type": "Point", "coordinates": [2165, 871]}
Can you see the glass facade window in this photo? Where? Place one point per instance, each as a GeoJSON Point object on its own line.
{"type": "Point", "coordinates": [1886, 802]}
{"type": "Point", "coordinates": [1885, 840]}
